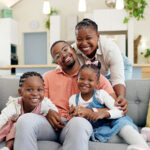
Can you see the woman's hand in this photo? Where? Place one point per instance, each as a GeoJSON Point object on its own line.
{"type": "Point", "coordinates": [121, 102]}
{"type": "Point", "coordinates": [54, 119]}
{"type": "Point", "coordinates": [79, 111]}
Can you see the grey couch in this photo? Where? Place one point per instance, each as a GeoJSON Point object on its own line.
{"type": "Point", "coordinates": [138, 96]}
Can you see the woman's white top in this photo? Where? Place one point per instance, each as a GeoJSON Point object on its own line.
{"type": "Point", "coordinates": [109, 55]}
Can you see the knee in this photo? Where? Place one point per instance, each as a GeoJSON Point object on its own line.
{"type": "Point", "coordinates": [26, 121]}
{"type": "Point", "coordinates": [81, 125]}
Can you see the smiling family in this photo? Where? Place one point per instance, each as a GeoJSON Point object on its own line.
{"type": "Point", "coordinates": [83, 100]}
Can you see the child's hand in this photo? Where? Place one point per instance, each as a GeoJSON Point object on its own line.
{"type": "Point", "coordinates": [94, 116]}
{"type": "Point", "coordinates": [72, 109]}
{"type": "Point", "coordinates": [79, 111]}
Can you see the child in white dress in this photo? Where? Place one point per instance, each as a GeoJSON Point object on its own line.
{"type": "Point", "coordinates": [31, 100]}
{"type": "Point", "coordinates": [109, 121]}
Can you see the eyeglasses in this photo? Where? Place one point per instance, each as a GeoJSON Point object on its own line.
{"type": "Point", "coordinates": [59, 54]}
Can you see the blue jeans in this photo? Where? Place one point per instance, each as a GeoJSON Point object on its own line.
{"type": "Point", "coordinates": [127, 68]}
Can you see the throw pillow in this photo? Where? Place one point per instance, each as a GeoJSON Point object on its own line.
{"type": "Point", "coordinates": [148, 116]}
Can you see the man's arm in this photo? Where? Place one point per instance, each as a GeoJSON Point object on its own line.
{"type": "Point", "coordinates": [54, 119]}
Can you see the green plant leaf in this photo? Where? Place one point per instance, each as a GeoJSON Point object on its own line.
{"type": "Point", "coordinates": [47, 23]}
{"type": "Point", "coordinates": [135, 8]}
{"type": "Point", "coordinates": [137, 1]}
{"type": "Point", "coordinates": [126, 20]}
{"type": "Point", "coordinates": [147, 53]}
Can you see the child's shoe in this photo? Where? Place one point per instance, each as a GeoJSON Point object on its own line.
{"type": "Point", "coordinates": [137, 147]}
{"type": "Point", "coordinates": [146, 132]}
{"type": "Point", "coordinates": [5, 148]}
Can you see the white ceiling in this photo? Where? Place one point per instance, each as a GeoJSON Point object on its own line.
{"type": "Point", "coordinates": [8, 3]}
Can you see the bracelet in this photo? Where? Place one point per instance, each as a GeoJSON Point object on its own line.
{"type": "Point", "coordinates": [94, 109]}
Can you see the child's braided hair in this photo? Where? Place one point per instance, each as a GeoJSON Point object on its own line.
{"type": "Point", "coordinates": [92, 66]}
{"type": "Point", "coordinates": [29, 74]}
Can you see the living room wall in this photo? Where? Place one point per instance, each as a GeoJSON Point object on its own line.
{"type": "Point", "coordinates": [27, 11]}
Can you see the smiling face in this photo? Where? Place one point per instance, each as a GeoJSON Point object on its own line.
{"type": "Point", "coordinates": [87, 40]}
{"type": "Point", "coordinates": [32, 92]}
{"type": "Point", "coordinates": [64, 55]}
{"type": "Point", "coordinates": [87, 82]}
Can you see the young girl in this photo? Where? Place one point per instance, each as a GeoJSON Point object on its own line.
{"type": "Point", "coordinates": [31, 100]}
{"type": "Point", "coordinates": [108, 122]}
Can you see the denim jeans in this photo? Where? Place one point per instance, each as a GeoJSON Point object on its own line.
{"type": "Point", "coordinates": [127, 68]}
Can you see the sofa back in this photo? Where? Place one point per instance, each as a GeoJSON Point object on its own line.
{"type": "Point", "coordinates": [8, 87]}
{"type": "Point", "coordinates": [137, 95]}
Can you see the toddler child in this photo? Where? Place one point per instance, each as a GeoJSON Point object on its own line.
{"type": "Point", "coordinates": [31, 100]}
{"type": "Point", "coordinates": [106, 122]}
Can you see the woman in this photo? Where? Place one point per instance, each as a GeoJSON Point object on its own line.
{"type": "Point", "coordinates": [90, 46]}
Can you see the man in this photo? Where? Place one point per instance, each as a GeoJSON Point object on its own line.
{"type": "Point", "coordinates": [60, 84]}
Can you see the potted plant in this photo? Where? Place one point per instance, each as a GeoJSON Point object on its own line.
{"type": "Point", "coordinates": [53, 12]}
{"type": "Point", "coordinates": [135, 8]}
{"type": "Point", "coordinates": [147, 54]}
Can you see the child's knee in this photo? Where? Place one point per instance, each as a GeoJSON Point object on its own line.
{"type": "Point", "coordinates": [26, 121]}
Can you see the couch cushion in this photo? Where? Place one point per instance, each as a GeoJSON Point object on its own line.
{"type": "Point", "coordinates": [42, 145]}
{"type": "Point", "coordinates": [8, 87]}
{"type": "Point", "coordinates": [47, 145]}
{"type": "Point", "coordinates": [107, 146]}
{"type": "Point", "coordinates": [2, 144]}
{"type": "Point", "coordinates": [138, 95]}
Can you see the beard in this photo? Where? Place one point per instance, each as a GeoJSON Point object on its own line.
{"type": "Point", "coordinates": [71, 64]}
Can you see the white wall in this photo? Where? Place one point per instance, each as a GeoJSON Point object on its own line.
{"type": "Point", "coordinates": [27, 10]}
{"type": "Point", "coordinates": [8, 36]}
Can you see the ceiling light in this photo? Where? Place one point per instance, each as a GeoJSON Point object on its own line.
{"type": "Point", "coordinates": [110, 3]}
{"type": "Point", "coordinates": [82, 6]}
{"type": "Point", "coordinates": [119, 4]}
{"type": "Point", "coordinates": [46, 7]}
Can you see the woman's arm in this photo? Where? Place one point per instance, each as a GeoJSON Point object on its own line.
{"type": "Point", "coordinates": [121, 101]}
{"type": "Point", "coordinates": [117, 76]}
